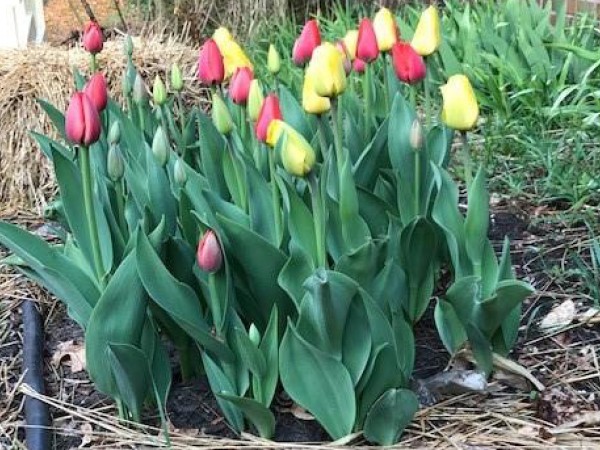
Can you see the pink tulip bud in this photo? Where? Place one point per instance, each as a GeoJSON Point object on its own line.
{"type": "Point", "coordinates": [209, 255]}
{"type": "Point", "coordinates": [93, 39]}
{"type": "Point", "coordinates": [359, 65]}
{"type": "Point", "coordinates": [309, 39]}
{"type": "Point", "coordinates": [96, 90]}
{"type": "Point", "coordinates": [408, 64]}
{"type": "Point", "coordinates": [211, 69]}
{"type": "Point", "coordinates": [366, 47]}
{"type": "Point", "coordinates": [82, 122]}
{"type": "Point", "coordinates": [239, 87]}
{"type": "Point", "coordinates": [269, 111]}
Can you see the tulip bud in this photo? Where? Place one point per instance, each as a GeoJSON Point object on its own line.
{"type": "Point", "coordinates": [129, 46]}
{"type": "Point", "coordinates": [366, 47]}
{"type": "Point", "coordinates": [176, 78]}
{"type": "Point", "coordinates": [82, 122]}
{"type": "Point", "coordinates": [408, 64]}
{"type": "Point", "coordinates": [96, 90]}
{"type": "Point", "coordinates": [239, 88]}
{"type": "Point", "coordinates": [297, 155]}
{"type": "Point", "coordinates": [273, 60]}
{"type": "Point", "coordinates": [160, 147]}
{"type": "Point", "coordinates": [159, 91]}
{"type": "Point", "coordinates": [221, 116]}
{"type": "Point", "coordinates": [114, 163]}
{"type": "Point", "coordinates": [460, 109]}
{"type": "Point", "coordinates": [386, 30]}
{"type": "Point", "coordinates": [427, 37]}
{"type": "Point", "coordinates": [359, 66]}
{"type": "Point", "coordinates": [416, 135]}
{"type": "Point", "coordinates": [311, 101]}
{"type": "Point", "coordinates": [234, 58]}
{"type": "Point", "coordinates": [255, 100]}
{"type": "Point", "coordinates": [114, 134]}
{"type": "Point", "coordinates": [307, 42]}
{"type": "Point", "coordinates": [209, 255]}
{"type": "Point", "coordinates": [327, 68]}
{"type": "Point", "coordinates": [351, 41]}
{"type": "Point", "coordinates": [126, 85]}
{"type": "Point", "coordinates": [140, 92]}
{"type": "Point", "coordinates": [179, 172]}
{"type": "Point", "coordinates": [254, 335]}
{"type": "Point", "coordinates": [211, 69]}
{"type": "Point", "coordinates": [93, 39]}
{"type": "Point", "coordinates": [269, 111]}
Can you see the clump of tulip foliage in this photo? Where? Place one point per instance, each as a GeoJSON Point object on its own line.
{"type": "Point", "coordinates": [280, 240]}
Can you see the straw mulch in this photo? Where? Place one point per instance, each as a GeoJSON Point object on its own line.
{"type": "Point", "coordinates": [44, 72]}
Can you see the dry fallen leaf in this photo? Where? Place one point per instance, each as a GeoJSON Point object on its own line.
{"type": "Point", "coordinates": [87, 434]}
{"type": "Point", "coordinates": [300, 413]}
{"type": "Point", "coordinates": [560, 316]}
{"type": "Point", "coordinates": [74, 352]}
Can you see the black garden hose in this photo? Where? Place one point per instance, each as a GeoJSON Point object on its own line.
{"type": "Point", "coordinates": [37, 415]}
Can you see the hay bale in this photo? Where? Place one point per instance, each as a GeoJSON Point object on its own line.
{"type": "Point", "coordinates": [44, 72]}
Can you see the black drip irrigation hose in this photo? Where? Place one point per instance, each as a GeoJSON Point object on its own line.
{"type": "Point", "coordinates": [37, 414]}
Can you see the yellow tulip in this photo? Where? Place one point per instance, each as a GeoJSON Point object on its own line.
{"type": "Point", "coordinates": [222, 35]}
{"type": "Point", "coordinates": [386, 30]}
{"type": "Point", "coordinates": [297, 155]}
{"type": "Point", "coordinates": [311, 101]}
{"type": "Point", "coordinates": [233, 55]}
{"type": "Point", "coordinates": [460, 109]}
{"type": "Point", "coordinates": [427, 37]}
{"type": "Point", "coordinates": [273, 60]}
{"type": "Point", "coordinates": [327, 67]}
{"type": "Point", "coordinates": [255, 100]}
{"type": "Point", "coordinates": [351, 41]}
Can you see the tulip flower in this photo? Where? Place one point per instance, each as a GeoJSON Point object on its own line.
{"type": "Point", "coordinates": [345, 56]}
{"type": "Point", "coordinates": [179, 173]}
{"type": "Point", "coordinates": [176, 78]}
{"type": "Point", "coordinates": [427, 37]}
{"type": "Point", "coordinates": [239, 88]}
{"type": "Point", "coordinates": [351, 41]}
{"type": "Point", "coordinates": [114, 133]}
{"type": "Point", "coordinates": [416, 135]}
{"type": "Point", "coordinates": [297, 155]}
{"type": "Point", "coordinates": [159, 91]}
{"type": "Point", "coordinates": [160, 147]}
{"type": "Point", "coordinates": [366, 46]}
{"type": "Point", "coordinates": [93, 39]}
{"type": "Point", "coordinates": [312, 102]}
{"type": "Point", "coordinates": [307, 42]}
{"type": "Point", "coordinates": [221, 116]}
{"type": "Point", "coordinates": [82, 122]}
{"type": "Point", "coordinates": [96, 90]}
{"type": "Point", "coordinates": [327, 67]}
{"type": "Point", "coordinates": [273, 60]}
{"type": "Point", "coordinates": [209, 254]}
{"type": "Point", "coordinates": [115, 167]}
{"type": "Point", "coordinates": [359, 66]}
{"type": "Point", "coordinates": [269, 111]}
{"type": "Point", "coordinates": [386, 30]}
{"type": "Point", "coordinates": [234, 58]}
{"type": "Point", "coordinates": [140, 92]}
{"type": "Point", "coordinates": [211, 69]}
{"type": "Point", "coordinates": [255, 100]}
{"type": "Point", "coordinates": [408, 64]}
{"type": "Point", "coordinates": [222, 35]}
{"type": "Point", "coordinates": [460, 109]}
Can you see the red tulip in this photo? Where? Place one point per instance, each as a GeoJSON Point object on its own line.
{"type": "Point", "coordinates": [96, 90]}
{"type": "Point", "coordinates": [309, 39]}
{"type": "Point", "coordinates": [359, 65]}
{"type": "Point", "coordinates": [93, 39]}
{"type": "Point", "coordinates": [239, 87]}
{"type": "Point", "coordinates": [269, 111]}
{"type": "Point", "coordinates": [82, 122]}
{"type": "Point", "coordinates": [408, 64]}
{"type": "Point", "coordinates": [209, 255]}
{"type": "Point", "coordinates": [366, 47]}
{"type": "Point", "coordinates": [211, 69]}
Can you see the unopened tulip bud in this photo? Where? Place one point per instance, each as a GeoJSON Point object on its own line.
{"type": "Point", "coordinates": [126, 85]}
{"type": "Point", "coordinates": [254, 335]}
{"type": "Point", "coordinates": [176, 78]}
{"type": "Point", "coordinates": [209, 255]}
{"type": "Point", "coordinates": [239, 87]}
{"type": "Point", "coordinates": [416, 135]}
{"type": "Point", "coordinates": [408, 64]}
{"type": "Point", "coordinates": [427, 37]}
{"type": "Point", "coordinates": [221, 116]}
{"type": "Point", "coordinates": [97, 91]}
{"type": "Point", "coordinates": [269, 112]}
{"type": "Point", "coordinates": [255, 100]}
{"type": "Point", "coordinates": [359, 65]}
{"type": "Point", "coordinates": [459, 104]}
{"type": "Point", "coordinates": [93, 39]}
{"type": "Point", "coordinates": [273, 60]}
{"type": "Point", "coordinates": [160, 147]}
{"type": "Point", "coordinates": [307, 42]}
{"type": "Point", "coordinates": [129, 46]}
{"type": "Point", "coordinates": [366, 47]}
{"type": "Point", "coordinates": [386, 30]}
{"type": "Point", "coordinates": [297, 155]}
{"type": "Point", "coordinates": [159, 91]}
{"type": "Point", "coordinates": [82, 122]}
{"type": "Point", "coordinates": [140, 92]}
{"type": "Point", "coordinates": [114, 134]}
{"type": "Point", "coordinates": [311, 101]}
{"type": "Point", "coordinates": [351, 41]}
{"type": "Point", "coordinates": [114, 164]}
{"type": "Point", "coordinates": [179, 172]}
{"type": "Point", "coordinates": [211, 68]}
{"type": "Point", "coordinates": [327, 68]}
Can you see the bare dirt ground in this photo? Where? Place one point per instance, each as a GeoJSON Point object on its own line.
{"type": "Point", "coordinates": [63, 17]}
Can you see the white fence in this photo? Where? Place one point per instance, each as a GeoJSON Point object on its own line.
{"type": "Point", "coordinates": [21, 22]}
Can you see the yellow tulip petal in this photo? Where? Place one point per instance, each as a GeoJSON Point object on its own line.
{"type": "Point", "coordinates": [427, 37]}
{"type": "Point", "coordinates": [311, 101]}
{"type": "Point", "coordinates": [460, 109]}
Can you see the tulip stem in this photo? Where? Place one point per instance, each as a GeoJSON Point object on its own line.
{"type": "Point", "coordinates": [241, 186]}
{"type": "Point", "coordinates": [322, 136]}
{"type": "Point", "coordinates": [427, 101]}
{"type": "Point", "coordinates": [413, 98]}
{"type": "Point", "coordinates": [275, 196]}
{"type": "Point", "coordinates": [93, 63]}
{"type": "Point", "coordinates": [141, 118]}
{"type": "Point", "coordinates": [215, 301]}
{"type": "Point", "coordinates": [467, 159]}
{"type": "Point", "coordinates": [386, 83]}
{"type": "Point", "coordinates": [417, 156]}
{"type": "Point", "coordinates": [337, 135]}
{"type": "Point", "coordinates": [86, 180]}
{"type": "Point", "coordinates": [121, 207]}
{"type": "Point", "coordinates": [368, 101]}
{"type": "Point", "coordinates": [317, 207]}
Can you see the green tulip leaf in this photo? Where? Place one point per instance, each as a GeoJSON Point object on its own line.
{"type": "Point", "coordinates": [449, 326]}
{"type": "Point", "coordinates": [250, 353]}
{"type": "Point", "coordinates": [390, 415]}
{"type": "Point", "coordinates": [260, 415]}
{"type": "Point", "coordinates": [477, 220]}
{"type": "Point", "coordinates": [56, 116]}
{"type": "Point", "coordinates": [481, 348]}
{"type": "Point", "coordinates": [356, 345]}
{"type": "Point", "coordinates": [269, 346]}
